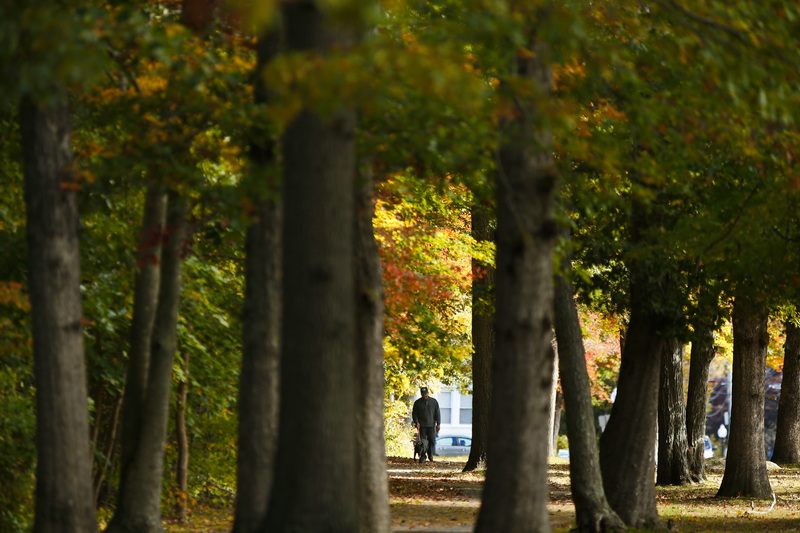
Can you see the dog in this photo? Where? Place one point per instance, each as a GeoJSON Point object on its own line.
{"type": "Point", "coordinates": [420, 448]}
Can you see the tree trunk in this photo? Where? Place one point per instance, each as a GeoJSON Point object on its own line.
{"type": "Point", "coordinates": [316, 465]}
{"type": "Point", "coordinates": [593, 514]}
{"type": "Point", "coordinates": [373, 482]}
{"type": "Point", "coordinates": [745, 467]}
{"type": "Point", "coordinates": [787, 434]}
{"type": "Point", "coordinates": [673, 456]}
{"type": "Point", "coordinates": [182, 468]}
{"type": "Point", "coordinates": [627, 446]}
{"type": "Point", "coordinates": [145, 302]}
{"type": "Point", "coordinates": [259, 377]}
{"type": "Point", "coordinates": [64, 498]}
{"type": "Point", "coordinates": [555, 411]}
{"type": "Point", "coordinates": [515, 493]}
{"type": "Point", "coordinates": [139, 500]}
{"type": "Point", "coordinates": [696, 400]}
{"type": "Point", "coordinates": [558, 411]}
{"type": "Point", "coordinates": [483, 341]}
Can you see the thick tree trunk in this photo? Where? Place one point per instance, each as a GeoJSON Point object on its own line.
{"type": "Point", "coordinates": [515, 494]}
{"type": "Point", "coordinates": [696, 400]}
{"type": "Point", "coordinates": [316, 465]}
{"type": "Point", "coordinates": [483, 342]}
{"type": "Point", "coordinates": [373, 482]}
{"type": "Point", "coordinates": [64, 498]}
{"type": "Point", "coordinates": [787, 434]}
{"type": "Point", "coordinates": [139, 501]}
{"type": "Point", "coordinates": [673, 458]}
{"type": "Point", "coordinates": [593, 514]}
{"type": "Point", "coordinates": [145, 302]}
{"type": "Point", "coordinates": [627, 446]}
{"type": "Point", "coordinates": [259, 376]}
{"type": "Point", "coordinates": [745, 467]}
{"type": "Point", "coordinates": [182, 439]}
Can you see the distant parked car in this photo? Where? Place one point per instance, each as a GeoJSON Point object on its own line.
{"type": "Point", "coordinates": [453, 445]}
{"type": "Point", "coordinates": [709, 450]}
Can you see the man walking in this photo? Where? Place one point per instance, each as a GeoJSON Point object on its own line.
{"type": "Point", "coordinates": [425, 416]}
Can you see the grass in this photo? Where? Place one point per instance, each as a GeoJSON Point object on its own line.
{"type": "Point", "coordinates": [438, 496]}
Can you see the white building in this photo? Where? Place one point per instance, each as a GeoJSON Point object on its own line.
{"type": "Point", "coordinates": [456, 411]}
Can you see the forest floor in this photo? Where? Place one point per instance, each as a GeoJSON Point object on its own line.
{"type": "Point", "coordinates": [438, 497]}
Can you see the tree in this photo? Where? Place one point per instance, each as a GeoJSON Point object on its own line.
{"type": "Point", "coordinates": [523, 360]}
{"type": "Point", "coordinates": [139, 499]}
{"type": "Point", "coordinates": [372, 479]}
{"type": "Point", "coordinates": [673, 453]}
{"type": "Point", "coordinates": [593, 513]}
{"type": "Point", "coordinates": [745, 466]}
{"type": "Point", "coordinates": [787, 436]}
{"type": "Point", "coordinates": [259, 384]}
{"type": "Point", "coordinates": [483, 341]}
{"type": "Point", "coordinates": [64, 498]}
{"type": "Point", "coordinates": [318, 491]}
{"type": "Point", "coordinates": [700, 358]}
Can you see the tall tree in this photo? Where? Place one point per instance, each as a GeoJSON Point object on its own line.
{"type": "Point", "coordinates": [515, 494]}
{"type": "Point", "coordinates": [259, 378]}
{"type": "Point", "coordinates": [139, 499]}
{"type": "Point", "coordinates": [64, 499]}
{"type": "Point", "coordinates": [700, 358]}
{"type": "Point", "coordinates": [745, 466]}
{"type": "Point", "coordinates": [593, 513]}
{"type": "Point", "coordinates": [145, 302]}
{"type": "Point", "coordinates": [318, 489]}
{"type": "Point", "coordinates": [673, 465]}
{"type": "Point", "coordinates": [483, 341]}
{"type": "Point", "coordinates": [373, 482]}
{"type": "Point", "coordinates": [787, 434]}
{"type": "Point", "coordinates": [627, 446]}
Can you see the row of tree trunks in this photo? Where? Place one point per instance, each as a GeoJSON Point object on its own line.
{"type": "Point", "coordinates": [483, 340]}
{"type": "Point", "coordinates": [64, 497]}
{"type": "Point", "coordinates": [515, 493]}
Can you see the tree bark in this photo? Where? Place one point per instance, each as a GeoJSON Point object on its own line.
{"type": "Point", "coordinates": [316, 465]}
{"type": "Point", "coordinates": [483, 341]}
{"type": "Point", "coordinates": [373, 482]}
{"type": "Point", "coordinates": [745, 467]}
{"type": "Point", "coordinates": [145, 302]}
{"type": "Point", "coordinates": [64, 498]}
{"type": "Point", "coordinates": [182, 439]}
{"type": "Point", "coordinates": [627, 446]}
{"type": "Point", "coordinates": [139, 501]}
{"type": "Point", "coordinates": [787, 434]}
{"type": "Point", "coordinates": [673, 456]}
{"type": "Point", "coordinates": [515, 493]}
{"type": "Point", "coordinates": [259, 382]}
{"type": "Point", "coordinates": [593, 514]}
{"type": "Point", "coordinates": [696, 400]}
{"type": "Point", "coordinates": [552, 448]}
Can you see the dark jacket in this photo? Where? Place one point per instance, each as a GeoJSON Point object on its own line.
{"type": "Point", "coordinates": [426, 413]}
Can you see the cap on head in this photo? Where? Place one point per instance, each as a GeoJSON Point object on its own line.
{"type": "Point", "coordinates": [423, 390]}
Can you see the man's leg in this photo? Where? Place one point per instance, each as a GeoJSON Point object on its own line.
{"type": "Point", "coordinates": [431, 434]}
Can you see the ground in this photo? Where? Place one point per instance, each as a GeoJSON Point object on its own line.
{"type": "Point", "coordinates": [438, 497]}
